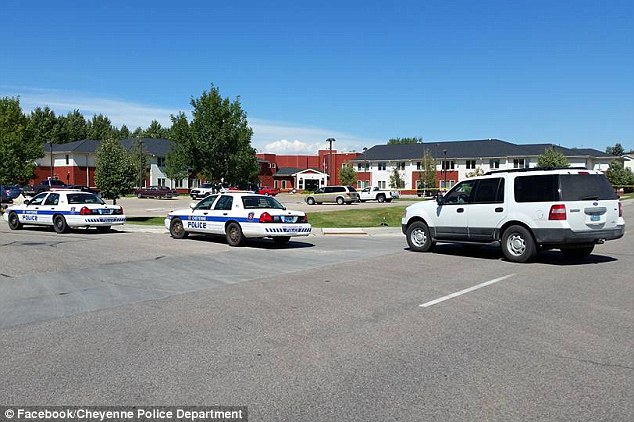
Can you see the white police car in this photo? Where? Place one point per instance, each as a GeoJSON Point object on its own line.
{"type": "Point", "coordinates": [239, 215]}
{"type": "Point", "coordinates": [65, 209]}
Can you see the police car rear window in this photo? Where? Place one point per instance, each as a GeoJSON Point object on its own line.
{"type": "Point", "coordinates": [253, 202]}
{"type": "Point", "coordinates": [84, 198]}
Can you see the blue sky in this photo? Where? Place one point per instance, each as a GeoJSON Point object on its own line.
{"type": "Point", "coordinates": [359, 71]}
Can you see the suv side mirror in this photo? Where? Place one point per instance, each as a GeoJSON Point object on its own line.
{"type": "Point", "coordinates": [440, 199]}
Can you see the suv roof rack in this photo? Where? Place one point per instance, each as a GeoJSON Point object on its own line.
{"type": "Point", "coordinates": [524, 170]}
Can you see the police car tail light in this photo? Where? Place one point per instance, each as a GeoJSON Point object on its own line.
{"type": "Point", "coordinates": [85, 211]}
{"type": "Point", "coordinates": [118, 211]}
{"type": "Point", "coordinates": [557, 212]}
{"type": "Point", "coordinates": [620, 209]}
{"type": "Point", "coordinates": [303, 219]}
{"type": "Point", "coordinates": [265, 217]}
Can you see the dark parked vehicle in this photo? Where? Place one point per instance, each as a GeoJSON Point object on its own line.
{"type": "Point", "coordinates": [9, 192]}
{"type": "Point", "coordinates": [45, 185]}
{"type": "Point", "coordinates": [159, 192]}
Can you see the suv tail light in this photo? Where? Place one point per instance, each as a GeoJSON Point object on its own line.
{"type": "Point", "coordinates": [620, 209]}
{"type": "Point", "coordinates": [85, 211]}
{"type": "Point", "coordinates": [265, 217]}
{"type": "Point", "coordinates": [557, 212]}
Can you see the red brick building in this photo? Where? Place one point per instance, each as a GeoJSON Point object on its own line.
{"type": "Point", "coordinates": [303, 172]}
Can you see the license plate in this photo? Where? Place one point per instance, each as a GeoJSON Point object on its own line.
{"type": "Point", "coordinates": [105, 212]}
{"type": "Point", "coordinates": [595, 217]}
{"type": "Point", "coordinates": [287, 219]}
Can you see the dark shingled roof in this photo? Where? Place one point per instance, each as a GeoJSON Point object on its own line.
{"type": "Point", "coordinates": [157, 147]}
{"type": "Point", "coordinates": [287, 171]}
{"type": "Point", "coordinates": [467, 149]}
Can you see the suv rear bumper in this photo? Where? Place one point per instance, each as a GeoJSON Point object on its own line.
{"type": "Point", "coordinates": [567, 236]}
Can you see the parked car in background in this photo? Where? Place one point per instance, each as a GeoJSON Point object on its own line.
{"type": "Point", "coordinates": [44, 185]}
{"type": "Point", "coordinates": [374, 193]}
{"type": "Point", "coordinates": [267, 190]}
{"type": "Point", "coordinates": [9, 192]}
{"type": "Point", "coordinates": [203, 190]}
{"type": "Point", "coordinates": [338, 194]}
{"type": "Point", "coordinates": [159, 192]}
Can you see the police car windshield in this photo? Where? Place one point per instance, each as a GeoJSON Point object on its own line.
{"type": "Point", "coordinates": [84, 198]}
{"type": "Point", "coordinates": [251, 202]}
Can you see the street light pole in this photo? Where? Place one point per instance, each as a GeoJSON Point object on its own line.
{"type": "Point", "coordinates": [50, 150]}
{"type": "Point", "coordinates": [330, 172]}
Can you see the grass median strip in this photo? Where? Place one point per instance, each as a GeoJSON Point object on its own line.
{"type": "Point", "coordinates": [370, 217]}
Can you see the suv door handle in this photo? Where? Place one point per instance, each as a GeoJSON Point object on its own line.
{"type": "Point", "coordinates": [460, 210]}
{"type": "Point", "coordinates": [499, 209]}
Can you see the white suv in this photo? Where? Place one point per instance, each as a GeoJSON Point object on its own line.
{"type": "Point", "coordinates": [525, 210]}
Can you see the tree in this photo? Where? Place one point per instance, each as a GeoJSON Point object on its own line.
{"type": "Point", "coordinates": [477, 172]}
{"type": "Point", "coordinates": [427, 174]}
{"type": "Point", "coordinates": [396, 181]}
{"type": "Point", "coordinates": [100, 128]}
{"type": "Point", "coordinates": [552, 158]}
{"type": "Point", "coordinates": [414, 140]}
{"type": "Point", "coordinates": [347, 175]}
{"type": "Point", "coordinates": [619, 176]}
{"type": "Point", "coordinates": [72, 127]}
{"type": "Point", "coordinates": [42, 126]}
{"type": "Point", "coordinates": [123, 133]}
{"type": "Point", "coordinates": [178, 161]}
{"type": "Point", "coordinates": [115, 172]}
{"type": "Point", "coordinates": [219, 145]}
{"type": "Point", "coordinates": [617, 150]}
{"type": "Point", "coordinates": [155, 131]}
{"type": "Point", "coordinates": [17, 152]}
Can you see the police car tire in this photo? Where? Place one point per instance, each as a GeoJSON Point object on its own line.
{"type": "Point", "coordinates": [59, 224]}
{"type": "Point", "coordinates": [234, 235]}
{"type": "Point", "coordinates": [14, 221]}
{"type": "Point", "coordinates": [177, 230]}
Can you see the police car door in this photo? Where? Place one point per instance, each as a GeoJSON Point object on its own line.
{"type": "Point", "coordinates": [48, 208]}
{"type": "Point", "coordinates": [200, 218]}
{"type": "Point", "coordinates": [32, 213]}
{"type": "Point", "coordinates": [220, 214]}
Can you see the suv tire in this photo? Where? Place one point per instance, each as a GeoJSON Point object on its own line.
{"type": "Point", "coordinates": [419, 237]}
{"type": "Point", "coordinates": [518, 244]}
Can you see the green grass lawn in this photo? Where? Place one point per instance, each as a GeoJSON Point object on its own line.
{"type": "Point", "coordinates": [370, 217]}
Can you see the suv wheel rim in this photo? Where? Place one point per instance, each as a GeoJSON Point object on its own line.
{"type": "Point", "coordinates": [516, 244]}
{"type": "Point", "coordinates": [419, 237]}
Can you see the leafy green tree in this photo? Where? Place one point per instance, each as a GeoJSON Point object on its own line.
{"type": "Point", "coordinates": [427, 173]}
{"type": "Point", "coordinates": [617, 150]}
{"type": "Point", "coordinates": [178, 161]}
{"type": "Point", "coordinates": [140, 161]}
{"type": "Point", "coordinates": [219, 147]}
{"type": "Point", "coordinates": [477, 172]}
{"type": "Point", "coordinates": [347, 175]}
{"type": "Point", "coordinates": [72, 127]}
{"type": "Point", "coordinates": [396, 181]}
{"type": "Point", "coordinates": [619, 176]}
{"type": "Point", "coordinates": [124, 132]}
{"type": "Point", "coordinates": [155, 131]}
{"type": "Point", "coordinates": [414, 140]}
{"type": "Point", "coordinates": [115, 172]}
{"type": "Point", "coordinates": [100, 128]}
{"type": "Point", "coordinates": [17, 152]}
{"type": "Point", "coordinates": [42, 126]}
{"type": "Point", "coordinates": [552, 158]}
{"type": "Point", "coordinates": [137, 132]}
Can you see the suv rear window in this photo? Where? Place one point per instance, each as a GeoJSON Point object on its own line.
{"type": "Point", "coordinates": [563, 187]}
{"type": "Point", "coordinates": [351, 189]}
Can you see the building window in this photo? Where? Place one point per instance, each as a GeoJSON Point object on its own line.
{"type": "Point", "coordinates": [382, 184]}
{"type": "Point", "coordinates": [301, 183]}
{"type": "Point", "coordinates": [400, 166]}
{"type": "Point", "coordinates": [448, 165]}
{"type": "Point", "coordinates": [161, 181]}
{"type": "Point", "coordinates": [494, 164]}
{"type": "Point", "coordinates": [471, 164]}
{"type": "Point", "coordinates": [519, 163]}
{"type": "Point", "coordinates": [67, 159]}
{"type": "Point", "coordinates": [283, 184]}
{"type": "Point", "coordinates": [178, 183]}
{"type": "Point", "coordinates": [359, 166]}
{"type": "Point", "coordinates": [160, 161]}
{"type": "Point", "coordinates": [382, 166]}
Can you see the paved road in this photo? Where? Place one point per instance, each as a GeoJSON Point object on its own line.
{"type": "Point", "coordinates": [330, 328]}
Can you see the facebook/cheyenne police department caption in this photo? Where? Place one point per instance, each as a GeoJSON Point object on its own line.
{"type": "Point", "coordinates": [132, 413]}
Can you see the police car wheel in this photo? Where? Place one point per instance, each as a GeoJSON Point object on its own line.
{"type": "Point", "coordinates": [59, 224]}
{"type": "Point", "coordinates": [234, 235]}
{"type": "Point", "coordinates": [177, 230]}
{"type": "Point", "coordinates": [14, 221]}
{"type": "Point", "coordinates": [281, 240]}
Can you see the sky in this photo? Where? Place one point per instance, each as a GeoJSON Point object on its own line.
{"type": "Point", "coordinates": [360, 72]}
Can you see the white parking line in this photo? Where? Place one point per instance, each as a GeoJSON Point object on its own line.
{"type": "Point", "coordinates": [461, 292]}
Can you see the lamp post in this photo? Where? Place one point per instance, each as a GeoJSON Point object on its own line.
{"type": "Point", "coordinates": [50, 150]}
{"type": "Point", "coordinates": [330, 172]}
{"type": "Point", "coordinates": [444, 164]}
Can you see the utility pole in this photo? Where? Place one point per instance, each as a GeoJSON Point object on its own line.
{"type": "Point", "coordinates": [330, 172]}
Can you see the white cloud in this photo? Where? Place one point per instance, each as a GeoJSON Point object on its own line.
{"type": "Point", "coordinates": [268, 136]}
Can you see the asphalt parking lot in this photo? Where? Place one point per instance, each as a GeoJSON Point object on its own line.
{"type": "Point", "coordinates": [330, 328]}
